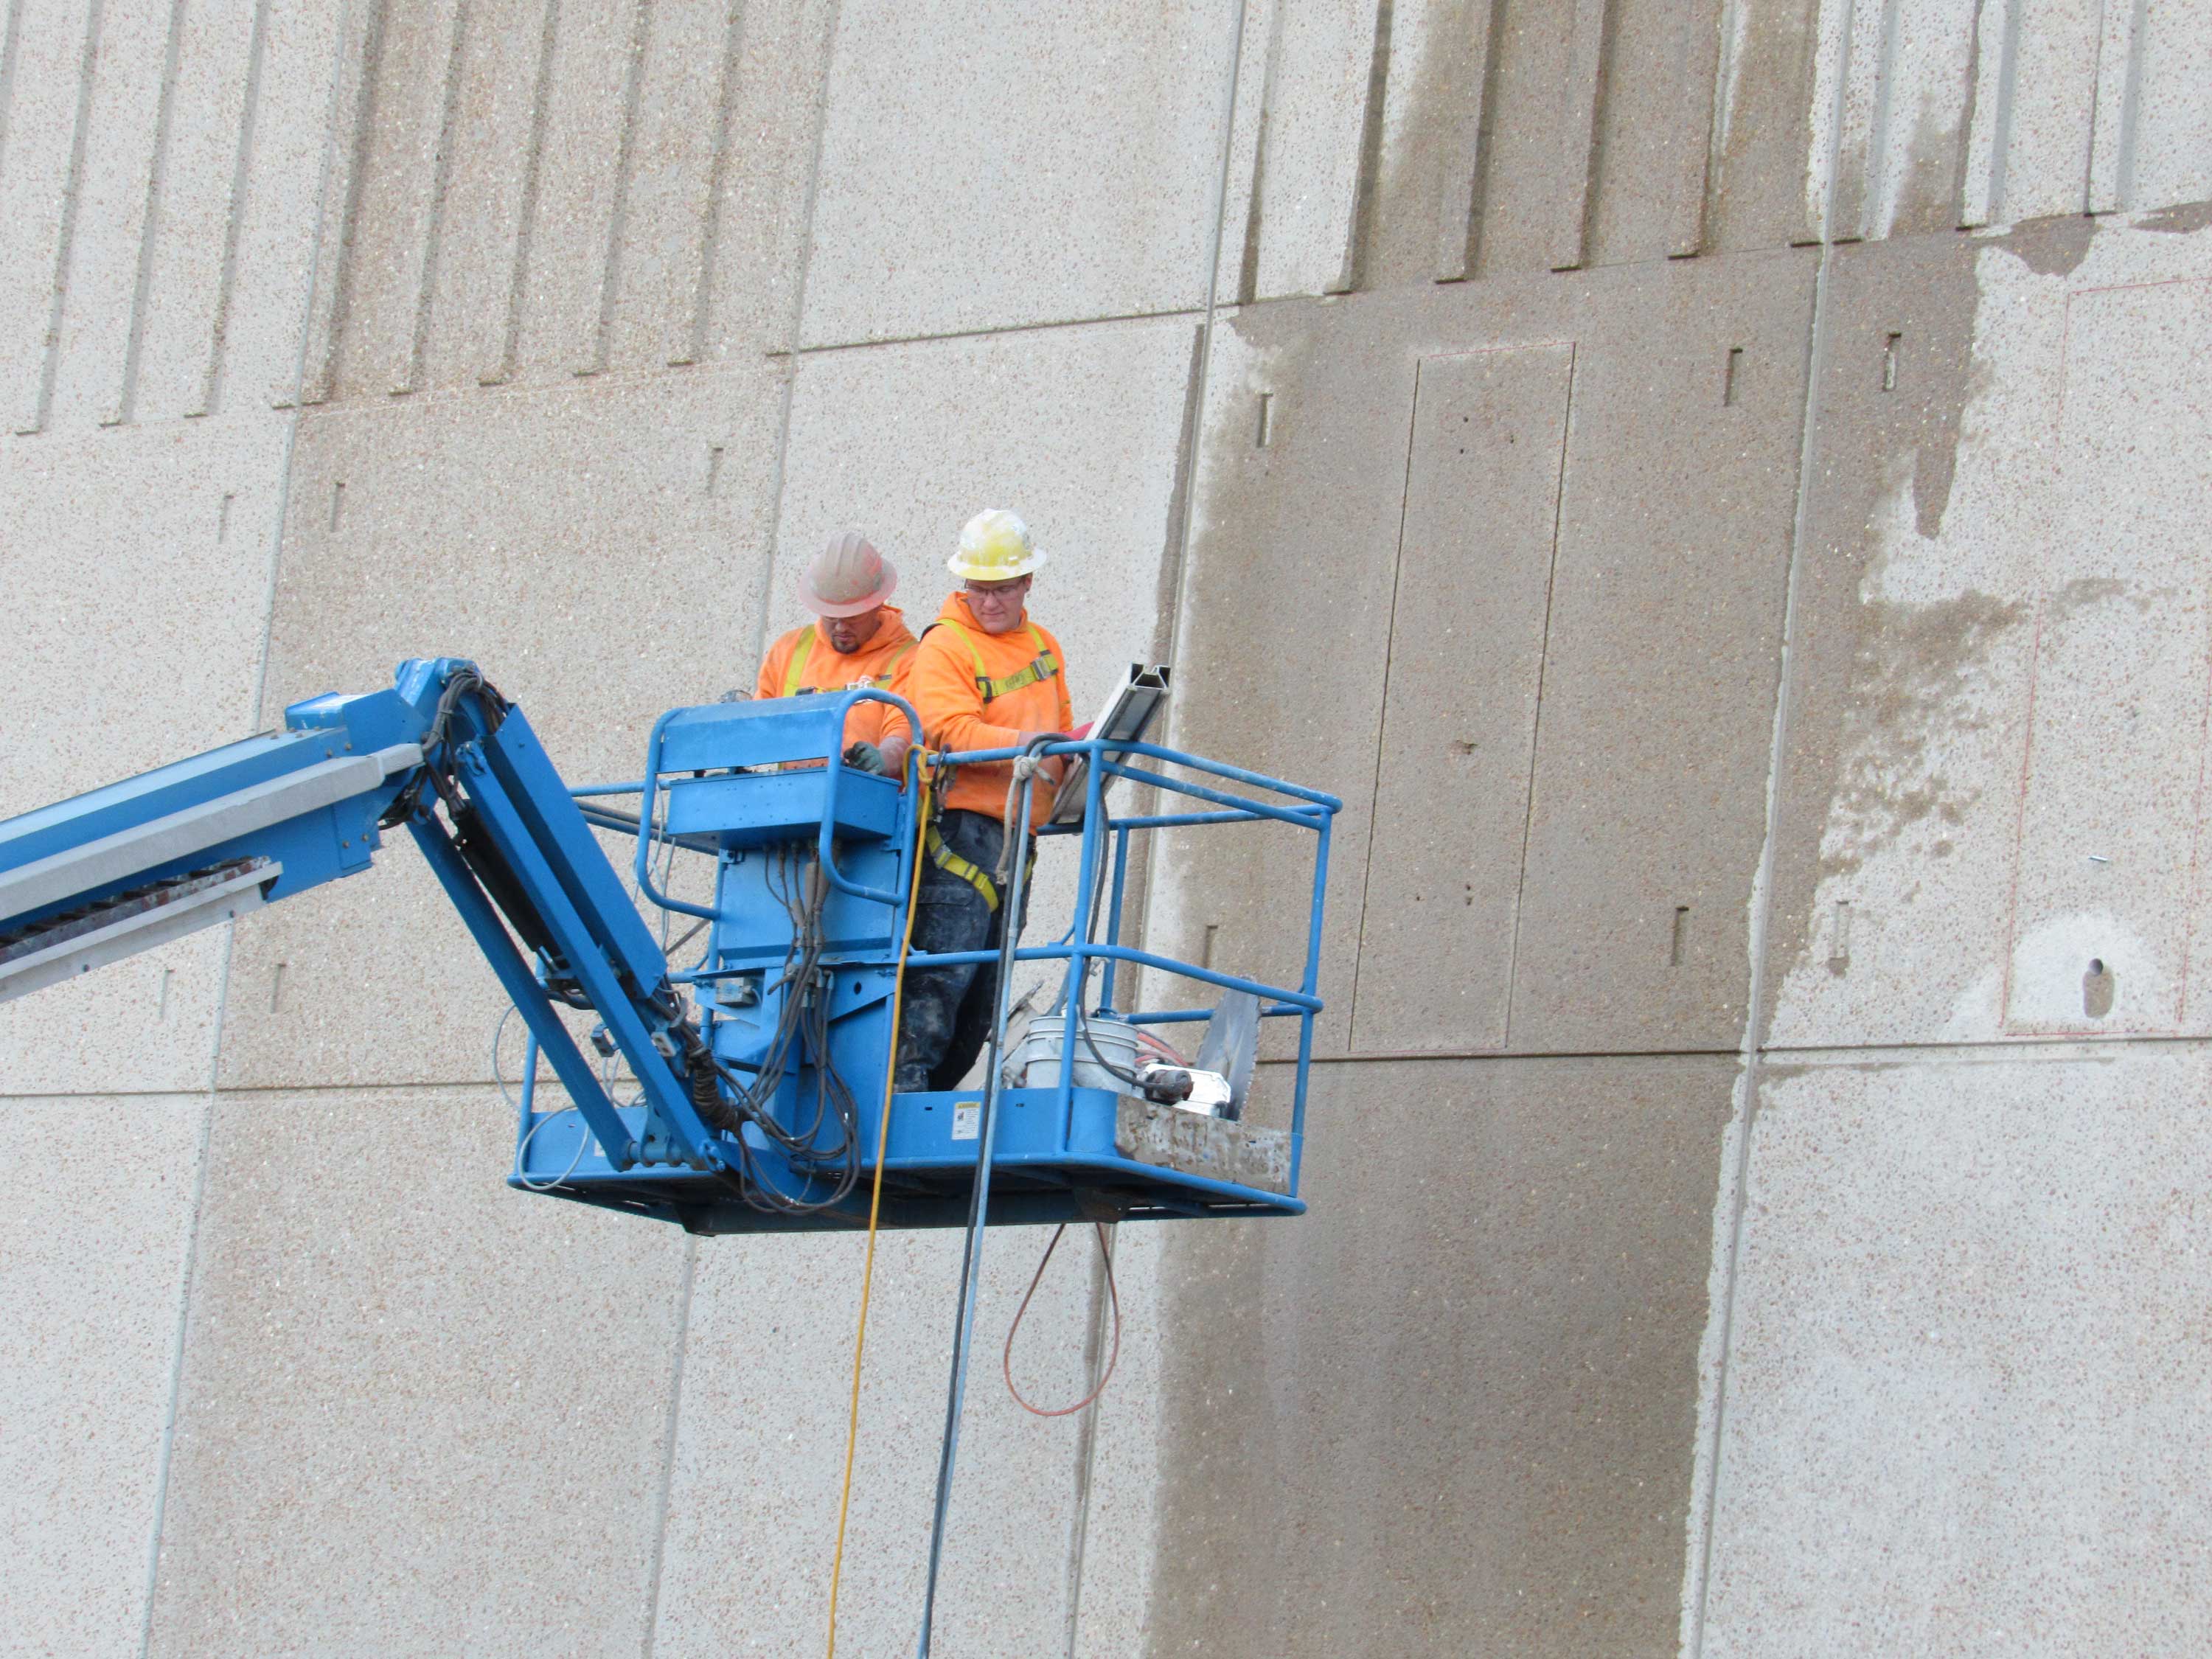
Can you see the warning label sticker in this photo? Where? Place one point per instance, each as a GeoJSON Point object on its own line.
{"type": "Point", "coordinates": [967, 1120]}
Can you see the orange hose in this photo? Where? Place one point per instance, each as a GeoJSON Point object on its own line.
{"type": "Point", "coordinates": [1114, 1355]}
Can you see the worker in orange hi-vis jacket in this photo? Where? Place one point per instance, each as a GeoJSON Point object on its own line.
{"type": "Point", "coordinates": [985, 675]}
{"type": "Point", "coordinates": [859, 640]}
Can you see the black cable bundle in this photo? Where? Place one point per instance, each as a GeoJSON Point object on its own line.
{"type": "Point", "coordinates": [797, 882]}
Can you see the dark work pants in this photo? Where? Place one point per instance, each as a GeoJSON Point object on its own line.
{"type": "Point", "coordinates": [948, 1012]}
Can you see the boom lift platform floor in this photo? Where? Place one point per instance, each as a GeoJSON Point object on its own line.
{"type": "Point", "coordinates": [758, 1104]}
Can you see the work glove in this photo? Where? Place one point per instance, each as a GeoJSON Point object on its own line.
{"type": "Point", "coordinates": [865, 757]}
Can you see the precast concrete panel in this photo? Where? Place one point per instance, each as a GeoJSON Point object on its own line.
{"type": "Point", "coordinates": [990, 167]}
{"type": "Point", "coordinates": [135, 563]}
{"type": "Point", "coordinates": [92, 1293]}
{"type": "Point", "coordinates": [1282, 607]}
{"type": "Point", "coordinates": [1965, 1407]}
{"type": "Point", "coordinates": [159, 178]}
{"type": "Point", "coordinates": [420, 1413]}
{"type": "Point", "coordinates": [1469, 609]}
{"type": "Point", "coordinates": [1644, 827]}
{"type": "Point", "coordinates": [2105, 899]}
{"type": "Point", "coordinates": [1450, 1410]}
{"type": "Point", "coordinates": [756, 1483]}
{"type": "Point", "coordinates": [2001, 656]}
{"type": "Point", "coordinates": [1535, 166]}
{"type": "Point", "coordinates": [1664, 662]}
{"type": "Point", "coordinates": [588, 188]}
{"type": "Point", "coordinates": [600, 551]}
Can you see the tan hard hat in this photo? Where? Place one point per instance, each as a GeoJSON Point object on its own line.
{"type": "Point", "coordinates": [848, 577]}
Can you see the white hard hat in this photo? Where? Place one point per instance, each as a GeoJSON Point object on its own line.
{"type": "Point", "coordinates": [994, 547]}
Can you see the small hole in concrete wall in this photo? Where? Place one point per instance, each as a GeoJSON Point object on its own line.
{"type": "Point", "coordinates": [1728, 374]}
{"type": "Point", "coordinates": [2098, 989]}
{"type": "Point", "coordinates": [1681, 932]}
{"type": "Point", "coordinates": [1889, 362]}
{"type": "Point", "coordinates": [1267, 419]}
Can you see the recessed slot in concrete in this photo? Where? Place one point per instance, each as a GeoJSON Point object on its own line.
{"type": "Point", "coordinates": [222, 520]}
{"type": "Point", "coordinates": [1267, 419]}
{"type": "Point", "coordinates": [1889, 362]}
{"type": "Point", "coordinates": [2097, 989]}
{"type": "Point", "coordinates": [161, 997]}
{"type": "Point", "coordinates": [1681, 935]}
{"type": "Point", "coordinates": [276, 989]}
{"type": "Point", "coordinates": [1206, 952]}
{"type": "Point", "coordinates": [714, 467]}
{"type": "Point", "coordinates": [1728, 376]}
{"type": "Point", "coordinates": [338, 505]}
{"type": "Point", "coordinates": [1839, 937]}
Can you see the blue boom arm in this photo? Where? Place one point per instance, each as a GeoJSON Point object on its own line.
{"type": "Point", "coordinates": [110, 874]}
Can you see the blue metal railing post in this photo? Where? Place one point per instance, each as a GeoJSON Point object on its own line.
{"type": "Point", "coordinates": [648, 788]}
{"type": "Point", "coordinates": [1310, 984]}
{"type": "Point", "coordinates": [1072, 1012]}
{"type": "Point", "coordinates": [1114, 919]}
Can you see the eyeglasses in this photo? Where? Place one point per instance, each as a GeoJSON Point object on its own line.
{"type": "Point", "coordinates": [996, 592]}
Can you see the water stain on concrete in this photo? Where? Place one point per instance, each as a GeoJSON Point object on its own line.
{"type": "Point", "coordinates": [1759, 194]}
{"type": "Point", "coordinates": [2051, 247]}
{"type": "Point", "coordinates": [1916, 680]}
{"type": "Point", "coordinates": [1876, 684]}
{"type": "Point", "coordinates": [1926, 197]}
{"type": "Point", "coordinates": [2182, 220]}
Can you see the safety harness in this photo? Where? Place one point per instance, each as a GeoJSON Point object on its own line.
{"type": "Point", "coordinates": [797, 667]}
{"type": "Point", "coordinates": [1042, 666]}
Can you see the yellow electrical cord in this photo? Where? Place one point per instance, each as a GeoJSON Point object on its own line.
{"type": "Point", "coordinates": [876, 1196]}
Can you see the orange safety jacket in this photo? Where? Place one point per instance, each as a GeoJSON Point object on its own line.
{"type": "Point", "coordinates": [979, 691]}
{"type": "Point", "coordinates": [803, 662]}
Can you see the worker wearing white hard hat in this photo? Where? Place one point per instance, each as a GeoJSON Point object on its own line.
{"type": "Point", "coordinates": [858, 639]}
{"type": "Point", "coordinates": [985, 675]}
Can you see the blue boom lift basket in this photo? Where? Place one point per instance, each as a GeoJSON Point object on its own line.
{"type": "Point", "coordinates": [1063, 1150]}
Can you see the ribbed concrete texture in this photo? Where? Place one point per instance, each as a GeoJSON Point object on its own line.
{"type": "Point", "coordinates": [1718, 490]}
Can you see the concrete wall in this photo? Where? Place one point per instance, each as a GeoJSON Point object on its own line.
{"type": "Point", "coordinates": [1716, 485]}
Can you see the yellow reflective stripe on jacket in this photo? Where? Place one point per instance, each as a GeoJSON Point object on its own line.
{"type": "Point", "coordinates": [953, 865]}
{"type": "Point", "coordinates": [791, 688]}
{"type": "Point", "coordinates": [796, 667]}
{"type": "Point", "coordinates": [1042, 666]}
